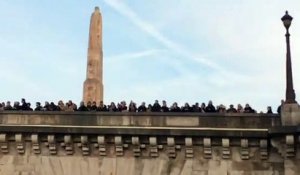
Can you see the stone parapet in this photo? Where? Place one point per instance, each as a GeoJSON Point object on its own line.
{"type": "Point", "coordinates": [179, 143]}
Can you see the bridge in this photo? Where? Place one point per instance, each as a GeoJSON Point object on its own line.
{"type": "Point", "coordinates": [146, 143]}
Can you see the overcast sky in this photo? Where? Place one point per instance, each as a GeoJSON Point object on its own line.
{"type": "Point", "coordinates": [229, 51]}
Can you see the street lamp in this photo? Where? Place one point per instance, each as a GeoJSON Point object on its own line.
{"type": "Point", "coordinates": [290, 93]}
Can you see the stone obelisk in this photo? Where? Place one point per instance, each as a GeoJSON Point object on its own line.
{"type": "Point", "coordinates": [93, 86]}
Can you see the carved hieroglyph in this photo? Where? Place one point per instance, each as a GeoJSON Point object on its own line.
{"type": "Point", "coordinates": [93, 86]}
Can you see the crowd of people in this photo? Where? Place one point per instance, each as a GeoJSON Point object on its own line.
{"type": "Point", "coordinates": [132, 107]}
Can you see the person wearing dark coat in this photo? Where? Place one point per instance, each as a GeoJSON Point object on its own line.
{"type": "Point", "coordinates": [186, 108]}
{"type": "Point", "coordinates": [203, 106]}
{"type": "Point", "coordinates": [196, 108]}
{"type": "Point", "coordinates": [164, 107]}
{"type": "Point", "coordinates": [89, 105]}
{"type": "Point", "coordinates": [132, 107]}
{"type": "Point", "coordinates": [210, 107]}
{"type": "Point", "coordinates": [8, 106]}
{"type": "Point", "coordinates": [94, 106]}
{"type": "Point", "coordinates": [142, 107]}
{"type": "Point", "coordinates": [24, 106]}
{"type": "Point", "coordinates": [269, 110]}
{"type": "Point", "coordinates": [279, 107]}
{"type": "Point", "coordinates": [231, 109]}
{"type": "Point", "coordinates": [175, 108]}
{"type": "Point", "coordinates": [102, 107]}
{"type": "Point", "coordinates": [82, 107]}
{"type": "Point", "coordinates": [38, 107]}
{"type": "Point", "coordinates": [248, 109]}
{"type": "Point", "coordinates": [112, 107]}
{"type": "Point", "coordinates": [17, 106]}
{"type": "Point", "coordinates": [29, 107]}
{"type": "Point", "coordinates": [156, 107]}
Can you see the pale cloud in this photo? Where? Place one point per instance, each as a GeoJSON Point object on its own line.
{"type": "Point", "coordinates": [123, 9]}
{"type": "Point", "coordinates": [132, 55]}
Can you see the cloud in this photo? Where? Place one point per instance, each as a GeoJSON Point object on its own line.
{"type": "Point", "coordinates": [132, 55]}
{"type": "Point", "coordinates": [126, 11]}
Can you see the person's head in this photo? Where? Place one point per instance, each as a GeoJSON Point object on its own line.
{"type": "Point", "coordinates": [197, 104]}
{"type": "Point", "coordinates": [203, 105]}
{"type": "Point", "coordinates": [231, 106]}
{"type": "Point", "coordinates": [94, 103]}
{"type": "Point", "coordinates": [101, 104]}
{"type": "Point", "coordinates": [8, 103]}
{"type": "Point", "coordinates": [81, 103]}
{"type": "Point", "coordinates": [23, 100]}
{"type": "Point", "coordinates": [269, 108]}
{"type": "Point", "coordinates": [46, 103]}
{"type": "Point", "coordinates": [175, 104]}
{"type": "Point", "coordinates": [247, 105]}
{"type": "Point", "coordinates": [143, 104]}
{"type": "Point", "coordinates": [282, 102]}
{"type": "Point", "coordinates": [210, 102]}
{"type": "Point", "coordinates": [239, 106]}
{"type": "Point", "coordinates": [112, 104]}
{"type": "Point", "coordinates": [38, 104]}
{"type": "Point", "coordinates": [28, 104]}
{"type": "Point", "coordinates": [164, 103]}
{"type": "Point", "coordinates": [156, 101]}
{"type": "Point", "coordinates": [60, 103]}
{"type": "Point", "coordinates": [186, 105]}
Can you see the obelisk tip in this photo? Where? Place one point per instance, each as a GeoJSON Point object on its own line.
{"type": "Point", "coordinates": [97, 9]}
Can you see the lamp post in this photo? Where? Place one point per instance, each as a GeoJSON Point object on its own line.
{"type": "Point", "coordinates": [290, 93]}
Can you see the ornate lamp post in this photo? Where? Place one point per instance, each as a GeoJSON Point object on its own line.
{"type": "Point", "coordinates": [290, 93]}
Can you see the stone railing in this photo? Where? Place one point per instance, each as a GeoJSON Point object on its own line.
{"type": "Point", "coordinates": [123, 137]}
{"type": "Point", "coordinates": [172, 131]}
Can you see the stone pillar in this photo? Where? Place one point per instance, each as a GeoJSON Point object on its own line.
{"type": "Point", "coordinates": [290, 114]}
{"type": "Point", "coordinates": [93, 86]}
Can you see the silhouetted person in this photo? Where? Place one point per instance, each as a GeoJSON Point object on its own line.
{"type": "Point", "coordinates": [186, 108]}
{"type": "Point", "coordinates": [112, 107]}
{"type": "Point", "coordinates": [132, 107]}
{"type": "Point", "coordinates": [102, 107]}
{"type": "Point", "coordinates": [17, 106]}
{"type": "Point", "coordinates": [89, 105]}
{"type": "Point", "coordinates": [142, 107]}
{"type": "Point", "coordinates": [156, 106]}
{"type": "Point", "coordinates": [82, 107]}
{"type": "Point", "coordinates": [94, 106]}
{"type": "Point", "coordinates": [47, 106]}
{"type": "Point", "coordinates": [8, 106]}
{"type": "Point", "coordinates": [164, 107]}
{"type": "Point", "coordinates": [175, 108]}
{"type": "Point", "coordinates": [210, 107]}
{"type": "Point", "coordinates": [122, 106]}
{"type": "Point", "coordinates": [248, 109]}
{"type": "Point", "coordinates": [38, 107]}
{"type": "Point", "coordinates": [280, 107]}
{"type": "Point", "coordinates": [269, 110]}
{"type": "Point", "coordinates": [203, 106]}
{"type": "Point", "coordinates": [29, 107]}
{"type": "Point", "coordinates": [149, 108]}
{"type": "Point", "coordinates": [1, 107]}
{"type": "Point", "coordinates": [221, 109]}
{"type": "Point", "coordinates": [196, 108]}
{"type": "Point", "coordinates": [231, 109]}
{"type": "Point", "coordinates": [240, 108]}
{"type": "Point", "coordinates": [24, 106]}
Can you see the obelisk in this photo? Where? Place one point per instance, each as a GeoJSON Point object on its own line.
{"type": "Point", "coordinates": [93, 86]}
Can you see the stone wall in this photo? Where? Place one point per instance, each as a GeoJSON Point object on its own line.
{"type": "Point", "coordinates": [48, 143]}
